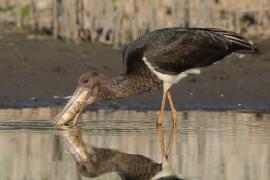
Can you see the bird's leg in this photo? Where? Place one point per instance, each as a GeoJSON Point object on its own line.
{"type": "Point", "coordinates": [161, 140]}
{"type": "Point", "coordinates": [173, 110]}
{"type": "Point", "coordinates": [160, 116]}
{"type": "Point", "coordinates": [166, 152]}
{"type": "Point", "coordinates": [171, 141]}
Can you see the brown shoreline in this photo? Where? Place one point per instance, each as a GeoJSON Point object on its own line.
{"type": "Point", "coordinates": [34, 71]}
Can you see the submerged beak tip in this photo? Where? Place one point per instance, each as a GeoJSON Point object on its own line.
{"type": "Point", "coordinates": [70, 114]}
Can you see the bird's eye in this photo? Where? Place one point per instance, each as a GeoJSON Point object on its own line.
{"type": "Point", "coordinates": [85, 81]}
{"type": "Point", "coordinates": [83, 168]}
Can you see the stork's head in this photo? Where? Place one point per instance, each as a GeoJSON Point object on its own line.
{"type": "Point", "coordinates": [87, 92]}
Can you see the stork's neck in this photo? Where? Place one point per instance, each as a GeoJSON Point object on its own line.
{"type": "Point", "coordinates": [129, 84]}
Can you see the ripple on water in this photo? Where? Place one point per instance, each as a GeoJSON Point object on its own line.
{"type": "Point", "coordinates": [233, 145]}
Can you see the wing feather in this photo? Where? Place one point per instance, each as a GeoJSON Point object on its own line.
{"type": "Point", "coordinates": [174, 50]}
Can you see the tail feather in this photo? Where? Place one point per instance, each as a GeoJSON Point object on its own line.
{"type": "Point", "coordinates": [239, 43]}
{"type": "Point", "coordinates": [239, 47]}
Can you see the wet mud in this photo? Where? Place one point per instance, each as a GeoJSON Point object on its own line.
{"type": "Point", "coordinates": [42, 72]}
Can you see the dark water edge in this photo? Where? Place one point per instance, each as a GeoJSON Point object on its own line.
{"type": "Point", "coordinates": [43, 69]}
{"type": "Point", "coordinates": [48, 102]}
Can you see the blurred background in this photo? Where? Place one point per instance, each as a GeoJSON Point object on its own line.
{"type": "Point", "coordinates": [118, 21]}
{"type": "Point", "coordinates": [45, 45]}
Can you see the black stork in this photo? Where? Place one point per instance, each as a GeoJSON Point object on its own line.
{"type": "Point", "coordinates": [94, 161]}
{"type": "Point", "coordinates": [161, 57]}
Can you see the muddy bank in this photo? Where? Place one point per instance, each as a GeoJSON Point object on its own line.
{"type": "Point", "coordinates": [40, 72]}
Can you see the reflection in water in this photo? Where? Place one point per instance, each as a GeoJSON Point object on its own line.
{"type": "Point", "coordinates": [207, 145]}
{"type": "Point", "coordinates": [92, 161]}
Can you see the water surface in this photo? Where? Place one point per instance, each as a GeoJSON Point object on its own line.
{"type": "Point", "coordinates": [207, 145]}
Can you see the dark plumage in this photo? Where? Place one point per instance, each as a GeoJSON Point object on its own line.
{"type": "Point", "coordinates": [93, 161]}
{"type": "Point", "coordinates": [175, 50]}
{"type": "Point", "coordinates": [128, 166]}
{"type": "Point", "coordinates": [163, 56]}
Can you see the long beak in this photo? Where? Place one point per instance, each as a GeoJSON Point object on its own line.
{"type": "Point", "coordinates": [76, 145]}
{"type": "Point", "coordinates": [72, 111]}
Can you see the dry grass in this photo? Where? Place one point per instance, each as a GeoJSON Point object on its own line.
{"type": "Point", "coordinates": [118, 21]}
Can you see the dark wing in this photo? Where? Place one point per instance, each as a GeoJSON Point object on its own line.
{"type": "Point", "coordinates": [132, 56]}
{"type": "Point", "coordinates": [174, 50]}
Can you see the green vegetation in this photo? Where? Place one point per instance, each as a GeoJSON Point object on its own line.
{"type": "Point", "coordinates": [25, 11]}
{"type": "Point", "coordinates": [114, 2]}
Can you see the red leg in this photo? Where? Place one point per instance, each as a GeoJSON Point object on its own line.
{"type": "Point", "coordinates": [161, 113]}
{"type": "Point", "coordinates": [173, 110]}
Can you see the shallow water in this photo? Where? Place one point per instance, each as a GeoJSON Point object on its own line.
{"type": "Point", "coordinates": [207, 145]}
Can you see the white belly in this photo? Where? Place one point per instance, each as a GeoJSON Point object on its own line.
{"type": "Point", "coordinates": [169, 80]}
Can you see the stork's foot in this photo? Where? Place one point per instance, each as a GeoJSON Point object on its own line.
{"type": "Point", "coordinates": [174, 117]}
{"type": "Point", "coordinates": [159, 120]}
{"type": "Point", "coordinates": [158, 123]}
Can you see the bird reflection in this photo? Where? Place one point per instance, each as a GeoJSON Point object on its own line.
{"type": "Point", "coordinates": [93, 161]}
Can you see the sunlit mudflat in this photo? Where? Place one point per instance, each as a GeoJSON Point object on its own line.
{"type": "Point", "coordinates": [207, 146]}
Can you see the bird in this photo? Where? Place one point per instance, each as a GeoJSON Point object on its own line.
{"type": "Point", "coordinates": [94, 161]}
{"type": "Point", "coordinates": [160, 58]}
